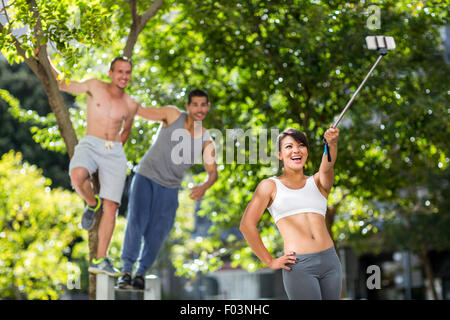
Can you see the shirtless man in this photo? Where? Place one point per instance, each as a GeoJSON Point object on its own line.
{"type": "Point", "coordinates": [110, 114]}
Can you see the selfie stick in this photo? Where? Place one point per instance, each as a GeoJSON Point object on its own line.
{"type": "Point", "coordinates": [382, 45]}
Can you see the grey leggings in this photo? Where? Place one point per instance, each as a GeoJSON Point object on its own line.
{"type": "Point", "coordinates": [315, 276]}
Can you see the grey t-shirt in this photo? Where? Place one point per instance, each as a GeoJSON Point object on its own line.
{"type": "Point", "coordinates": [173, 152]}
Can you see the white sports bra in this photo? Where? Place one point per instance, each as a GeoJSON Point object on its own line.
{"type": "Point", "coordinates": [288, 201]}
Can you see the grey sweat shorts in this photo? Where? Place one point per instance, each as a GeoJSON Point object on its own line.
{"type": "Point", "coordinates": [108, 158]}
{"type": "Point", "coordinates": [315, 276]}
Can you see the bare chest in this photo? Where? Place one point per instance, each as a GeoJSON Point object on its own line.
{"type": "Point", "coordinates": [101, 105]}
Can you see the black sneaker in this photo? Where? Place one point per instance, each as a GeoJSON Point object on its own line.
{"type": "Point", "coordinates": [124, 281]}
{"type": "Point", "coordinates": [87, 220]}
{"type": "Point", "coordinates": [139, 282]}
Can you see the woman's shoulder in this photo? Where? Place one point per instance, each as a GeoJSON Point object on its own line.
{"type": "Point", "coordinates": [316, 177]}
{"type": "Point", "coordinates": [267, 185]}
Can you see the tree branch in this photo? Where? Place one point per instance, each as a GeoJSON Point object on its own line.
{"type": "Point", "coordinates": [151, 12]}
{"type": "Point", "coordinates": [42, 49]}
{"type": "Point", "coordinates": [37, 28]}
{"type": "Point", "coordinates": [138, 24]}
{"type": "Point", "coordinates": [133, 7]}
{"type": "Point", "coordinates": [6, 13]}
{"type": "Point", "coordinates": [32, 63]}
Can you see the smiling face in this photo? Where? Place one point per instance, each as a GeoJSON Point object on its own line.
{"type": "Point", "coordinates": [198, 108]}
{"type": "Point", "coordinates": [120, 73]}
{"type": "Point", "coordinates": [293, 149]}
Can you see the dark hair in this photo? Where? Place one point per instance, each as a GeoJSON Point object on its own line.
{"type": "Point", "coordinates": [197, 93]}
{"type": "Point", "coordinates": [298, 136]}
{"type": "Point", "coordinates": [120, 58]}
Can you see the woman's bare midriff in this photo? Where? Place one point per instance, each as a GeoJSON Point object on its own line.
{"type": "Point", "coordinates": [304, 233]}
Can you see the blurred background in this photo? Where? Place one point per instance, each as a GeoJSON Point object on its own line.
{"type": "Point", "coordinates": [266, 65]}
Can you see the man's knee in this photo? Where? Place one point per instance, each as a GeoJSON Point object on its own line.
{"type": "Point", "coordinates": [110, 207]}
{"type": "Point", "coordinates": [78, 176]}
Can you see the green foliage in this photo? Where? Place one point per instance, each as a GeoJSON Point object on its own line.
{"type": "Point", "coordinates": [277, 64]}
{"type": "Point", "coordinates": [18, 81]}
{"type": "Point", "coordinates": [296, 63]}
{"type": "Point", "coordinates": [44, 129]}
{"type": "Point", "coordinates": [66, 24]}
{"type": "Point", "coordinates": [38, 225]}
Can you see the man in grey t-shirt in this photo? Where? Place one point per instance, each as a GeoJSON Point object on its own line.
{"type": "Point", "coordinates": [181, 141]}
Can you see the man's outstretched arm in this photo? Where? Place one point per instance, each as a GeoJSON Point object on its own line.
{"type": "Point", "coordinates": [72, 87]}
{"type": "Point", "coordinates": [166, 114]}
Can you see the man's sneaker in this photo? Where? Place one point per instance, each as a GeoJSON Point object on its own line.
{"type": "Point", "coordinates": [139, 282]}
{"type": "Point", "coordinates": [125, 281]}
{"type": "Point", "coordinates": [87, 220]}
{"type": "Point", "coordinates": [103, 265]}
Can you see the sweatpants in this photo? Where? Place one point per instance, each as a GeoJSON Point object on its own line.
{"type": "Point", "coordinates": [150, 217]}
{"type": "Point", "coordinates": [315, 276]}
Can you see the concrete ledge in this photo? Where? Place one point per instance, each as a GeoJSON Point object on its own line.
{"type": "Point", "coordinates": [107, 291]}
{"type": "Point", "coordinates": [105, 287]}
{"type": "Point", "coordinates": [152, 288]}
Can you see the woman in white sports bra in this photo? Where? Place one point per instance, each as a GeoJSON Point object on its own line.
{"type": "Point", "coordinates": [298, 204]}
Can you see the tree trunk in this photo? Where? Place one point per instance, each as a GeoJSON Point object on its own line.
{"type": "Point", "coordinates": [70, 139]}
{"type": "Point", "coordinates": [42, 69]}
{"type": "Point", "coordinates": [62, 116]}
{"type": "Point", "coordinates": [428, 272]}
{"type": "Point", "coordinates": [93, 242]}
{"type": "Point", "coordinates": [329, 219]}
{"type": "Point", "coordinates": [131, 40]}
